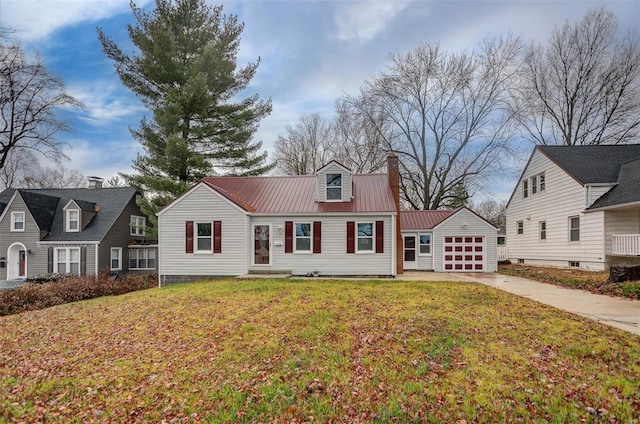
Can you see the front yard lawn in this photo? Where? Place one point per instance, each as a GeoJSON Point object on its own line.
{"type": "Point", "coordinates": [593, 281]}
{"type": "Point", "coordinates": [321, 351]}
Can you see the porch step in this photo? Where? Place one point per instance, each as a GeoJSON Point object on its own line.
{"type": "Point", "coordinates": [268, 271]}
{"type": "Point", "coordinates": [275, 275]}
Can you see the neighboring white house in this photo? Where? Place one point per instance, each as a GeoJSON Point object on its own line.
{"type": "Point", "coordinates": [334, 223]}
{"type": "Point", "coordinates": [577, 206]}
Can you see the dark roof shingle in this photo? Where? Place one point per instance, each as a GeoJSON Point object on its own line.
{"type": "Point", "coordinates": [626, 191]}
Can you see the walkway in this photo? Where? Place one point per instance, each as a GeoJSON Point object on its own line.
{"type": "Point", "coordinates": [616, 312]}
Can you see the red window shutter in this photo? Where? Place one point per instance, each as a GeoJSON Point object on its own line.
{"type": "Point", "coordinates": [379, 236]}
{"type": "Point", "coordinates": [288, 237]}
{"type": "Point", "coordinates": [351, 237]}
{"type": "Point", "coordinates": [189, 238]}
{"type": "Point", "coordinates": [217, 236]}
{"type": "Point", "coordinates": [317, 237]}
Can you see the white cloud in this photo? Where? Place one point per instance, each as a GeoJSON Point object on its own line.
{"type": "Point", "coordinates": [364, 20]}
{"type": "Point", "coordinates": [36, 19]}
{"type": "Point", "coordinates": [104, 102]}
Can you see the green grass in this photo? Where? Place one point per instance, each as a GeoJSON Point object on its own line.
{"type": "Point", "coordinates": [327, 351]}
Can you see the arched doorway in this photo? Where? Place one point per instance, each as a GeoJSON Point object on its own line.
{"type": "Point", "coordinates": [16, 261]}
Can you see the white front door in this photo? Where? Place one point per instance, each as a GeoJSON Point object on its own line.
{"type": "Point", "coordinates": [409, 245]}
{"type": "Point", "coordinates": [261, 244]}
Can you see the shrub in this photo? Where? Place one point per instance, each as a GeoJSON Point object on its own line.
{"type": "Point", "coordinates": [40, 295]}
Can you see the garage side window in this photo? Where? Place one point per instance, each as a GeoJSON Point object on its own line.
{"type": "Point", "coordinates": [425, 244]}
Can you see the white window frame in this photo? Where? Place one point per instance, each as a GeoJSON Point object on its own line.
{"type": "Point", "coordinates": [519, 228]}
{"type": "Point", "coordinates": [542, 182]}
{"type": "Point", "coordinates": [534, 185]}
{"type": "Point", "coordinates": [14, 220]}
{"type": "Point", "coordinates": [197, 237]}
{"type": "Point", "coordinates": [328, 187]}
{"type": "Point", "coordinates": [525, 189]}
{"type": "Point", "coordinates": [542, 230]}
{"type": "Point", "coordinates": [137, 225]}
{"type": "Point", "coordinates": [296, 237]}
{"type": "Point", "coordinates": [117, 257]}
{"type": "Point", "coordinates": [67, 260]}
{"type": "Point", "coordinates": [148, 251]}
{"type": "Point", "coordinates": [68, 221]}
{"type": "Point", "coordinates": [372, 237]}
{"type": "Point", "coordinates": [572, 229]}
{"type": "Point", "coordinates": [420, 244]}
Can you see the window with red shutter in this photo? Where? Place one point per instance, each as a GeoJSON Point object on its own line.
{"type": "Point", "coordinates": [217, 236]}
{"type": "Point", "coordinates": [189, 237]}
{"type": "Point", "coordinates": [288, 237]}
{"type": "Point", "coordinates": [379, 236]}
{"type": "Point", "coordinates": [351, 237]}
{"type": "Point", "coordinates": [317, 237]}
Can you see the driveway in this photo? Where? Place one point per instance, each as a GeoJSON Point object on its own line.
{"type": "Point", "coordinates": [616, 312]}
{"type": "Point", "coordinates": [9, 284]}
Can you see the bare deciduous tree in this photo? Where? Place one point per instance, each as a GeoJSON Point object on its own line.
{"type": "Point", "coordinates": [447, 116]}
{"type": "Point", "coordinates": [29, 98]}
{"type": "Point", "coordinates": [59, 177]}
{"type": "Point", "coordinates": [306, 147]}
{"type": "Point", "coordinates": [492, 210]}
{"type": "Point", "coordinates": [18, 164]}
{"type": "Point", "coordinates": [583, 86]}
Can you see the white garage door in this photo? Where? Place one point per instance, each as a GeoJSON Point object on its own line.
{"type": "Point", "coordinates": [464, 253]}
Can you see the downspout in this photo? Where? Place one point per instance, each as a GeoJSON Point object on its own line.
{"type": "Point", "coordinates": [96, 265]}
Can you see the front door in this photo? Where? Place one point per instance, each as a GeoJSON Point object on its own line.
{"type": "Point", "coordinates": [409, 252]}
{"type": "Point", "coordinates": [22, 257]}
{"type": "Point", "coordinates": [261, 244]}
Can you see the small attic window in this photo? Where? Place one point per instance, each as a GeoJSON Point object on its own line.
{"type": "Point", "coordinates": [334, 186]}
{"type": "Point", "coordinates": [72, 220]}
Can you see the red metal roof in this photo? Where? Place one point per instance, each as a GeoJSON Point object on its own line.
{"type": "Point", "coordinates": [423, 220]}
{"type": "Point", "coordinates": [297, 194]}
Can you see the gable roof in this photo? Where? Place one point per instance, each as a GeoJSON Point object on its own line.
{"type": "Point", "coordinates": [598, 164]}
{"type": "Point", "coordinates": [423, 220]}
{"type": "Point", "coordinates": [46, 207]}
{"type": "Point", "coordinates": [297, 194]}
{"type": "Point", "coordinates": [626, 191]}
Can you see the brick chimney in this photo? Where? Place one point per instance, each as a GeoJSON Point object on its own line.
{"type": "Point", "coordinates": [393, 172]}
{"type": "Point", "coordinates": [95, 182]}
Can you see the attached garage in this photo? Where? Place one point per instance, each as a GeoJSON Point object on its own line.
{"type": "Point", "coordinates": [448, 241]}
{"type": "Point", "coordinates": [464, 253]}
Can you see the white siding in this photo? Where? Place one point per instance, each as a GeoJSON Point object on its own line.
{"type": "Point", "coordinates": [563, 197]}
{"type": "Point", "coordinates": [593, 193]}
{"type": "Point", "coordinates": [321, 182]}
{"type": "Point", "coordinates": [201, 205]}
{"type": "Point", "coordinates": [625, 221]}
{"type": "Point", "coordinates": [334, 259]}
{"type": "Point", "coordinates": [465, 223]}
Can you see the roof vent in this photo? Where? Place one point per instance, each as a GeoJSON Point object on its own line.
{"type": "Point", "coordinates": [95, 182]}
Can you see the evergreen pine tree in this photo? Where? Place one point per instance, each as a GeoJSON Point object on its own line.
{"type": "Point", "coordinates": [185, 73]}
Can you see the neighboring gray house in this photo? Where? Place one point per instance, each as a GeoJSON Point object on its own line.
{"type": "Point", "coordinates": [79, 231]}
{"type": "Point", "coordinates": [577, 206]}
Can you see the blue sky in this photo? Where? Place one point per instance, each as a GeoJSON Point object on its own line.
{"type": "Point", "coordinates": [311, 53]}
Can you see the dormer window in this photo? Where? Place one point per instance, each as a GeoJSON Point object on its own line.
{"type": "Point", "coordinates": [334, 186]}
{"type": "Point", "coordinates": [17, 221]}
{"type": "Point", "coordinates": [72, 220]}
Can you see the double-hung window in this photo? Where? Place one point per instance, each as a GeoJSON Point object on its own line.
{"type": "Point", "coordinates": [142, 258]}
{"type": "Point", "coordinates": [17, 221]}
{"type": "Point", "coordinates": [574, 228]}
{"type": "Point", "coordinates": [543, 230]}
{"type": "Point", "coordinates": [541, 180]}
{"type": "Point", "coordinates": [534, 184]}
{"type": "Point", "coordinates": [73, 220]}
{"type": "Point", "coordinates": [137, 224]}
{"type": "Point", "coordinates": [334, 186]}
{"type": "Point", "coordinates": [425, 244]}
{"type": "Point", "coordinates": [303, 237]}
{"type": "Point", "coordinates": [67, 260]}
{"type": "Point", "coordinates": [364, 236]}
{"type": "Point", "coordinates": [525, 188]}
{"type": "Point", "coordinates": [204, 237]}
{"type": "Point", "coordinates": [116, 258]}
{"type": "Point", "coordinates": [520, 227]}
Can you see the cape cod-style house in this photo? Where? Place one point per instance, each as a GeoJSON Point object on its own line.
{"type": "Point", "coordinates": [333, 223]}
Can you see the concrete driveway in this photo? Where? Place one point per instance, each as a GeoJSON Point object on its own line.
{"type": "Point", "coordinates": [616, 312]}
